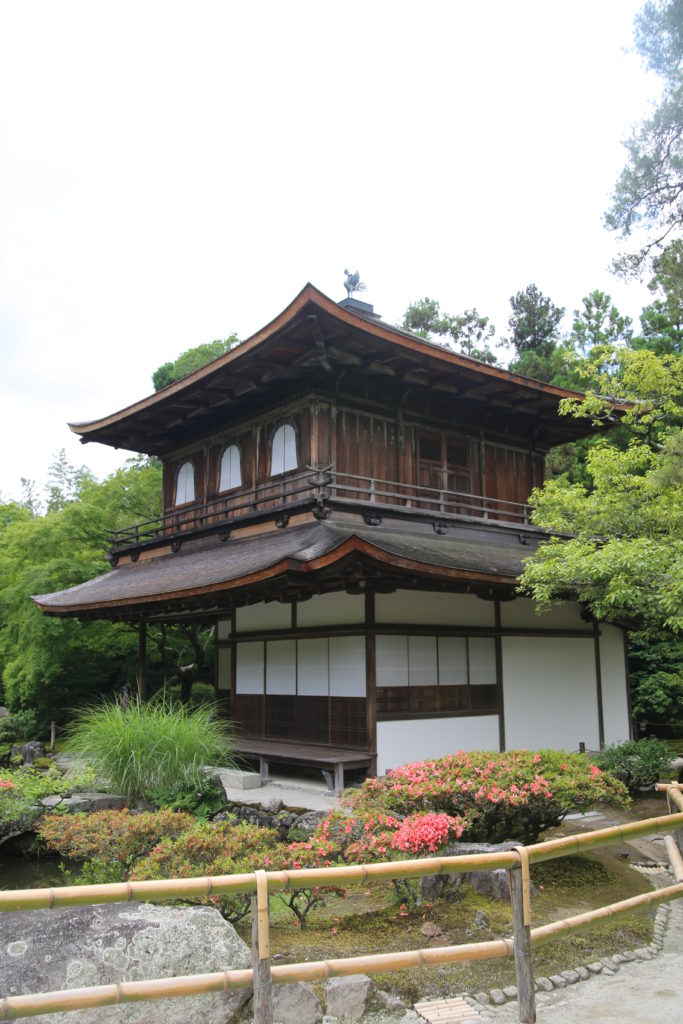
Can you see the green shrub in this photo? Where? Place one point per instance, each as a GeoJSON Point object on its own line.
{"type": "Point", "coordinates": [225, 848]}
{"type": "Point", "coordinates": [22, 789]}
{"type": "Point", "coordinates": [513, 795]}
{"type": "Point", "coordinates": [20, 725]}
{"type": "Point", "coordinates": [637, 762]}
{"type": "Point", "coordinates": [147, 747]}
{"type": "Point", "coordinates": [201, 693]}
{"type": "Point", "coordinates": [659, 697]}
{"type": "Point", "coordinates": [202, 800]}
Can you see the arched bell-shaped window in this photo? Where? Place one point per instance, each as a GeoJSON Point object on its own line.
{"type": "Point", "coordinates": [184, 491]}
{"type": "Point", "coordinates": [283, 454]}
{"type": "Point", "coordinates": [231, 473]}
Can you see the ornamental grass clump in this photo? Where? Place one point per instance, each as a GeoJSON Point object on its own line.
{"type": "Point", "coordinates": [514, 795]}
{"type": "Point", "coordinates": [143, 748]}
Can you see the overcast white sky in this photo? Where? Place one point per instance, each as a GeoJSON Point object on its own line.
{"type": "Point", "coordinates": [172, 172]}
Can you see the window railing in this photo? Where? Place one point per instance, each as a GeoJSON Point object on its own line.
{"type": "Point", "coordinates": [320, 486]}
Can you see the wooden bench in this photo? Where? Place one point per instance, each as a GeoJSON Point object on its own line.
{"type": "Point", "coordinates": [331, 760]}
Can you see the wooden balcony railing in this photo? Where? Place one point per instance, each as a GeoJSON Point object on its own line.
{"type": "Point", "coordinates": [321, 486]}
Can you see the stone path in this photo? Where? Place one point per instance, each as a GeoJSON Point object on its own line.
{"type": "Point", "coordinates": [640, 992]}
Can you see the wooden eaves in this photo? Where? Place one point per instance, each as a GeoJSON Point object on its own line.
{"type": "Point", "coordinates": [315, 339]}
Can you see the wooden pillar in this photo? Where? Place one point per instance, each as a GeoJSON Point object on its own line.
{"type": "Point", "coordinates": [370, 681]}
{"type": "Point", "coordinates": [260, 952]}
{"type": "Point", "coordinates": [522, 944]}
{"type": "Point", "coordinates": [142, 661]}
{"type": "Point", "coordinates": [499, 676]}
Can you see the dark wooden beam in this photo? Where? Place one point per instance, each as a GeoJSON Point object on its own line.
{"type": "Point", "coordinates": [142, 661]}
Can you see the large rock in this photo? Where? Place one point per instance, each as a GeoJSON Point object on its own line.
{"type": "Point", "coordinates": [305, 825]}
{"type": "Point", "coordinates": [45, 950]}
{"type": "Point", "coordinates": [29, 752]}
{"type": "Point", "coordinates": [85, 803]}
{"type": "Point", "coordinates": [296, 1004]}
{"type": "Point", "coordinates": [346, 997]}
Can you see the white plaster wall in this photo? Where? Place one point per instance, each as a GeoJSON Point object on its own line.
{"type": "Point", "coordinates": [427, 608]}
{"type": "Point", "coordinates": [613, 670]}
{"type": "Point", "coordinates": [419, 738]}
{"type": "Point", "coordinates": [522, 613]}
{"type": "Point", "coordinates": [550, 695]}
{"type": "Point", "coordinates": [339, 609]}
{"type": "Point", "coordinates": [262, 616]}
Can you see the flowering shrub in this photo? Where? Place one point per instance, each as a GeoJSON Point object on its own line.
{"type": "Point", "coordinates": [514, 795]}
{"type": "Point", "coordinates": [427, 833]}
{"type": "Point", "coordinates": [319, 852]}
{"type": "Point", "coordinates": [224, 848]}
{"type": "Point", "coordinates": [372, 835]}
{"type": "Point", "coordinates": [114, 838]}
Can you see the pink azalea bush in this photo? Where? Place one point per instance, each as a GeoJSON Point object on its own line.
{"type": "Point", "coordinates": [320, 851]}
{"type": "Point", "coordinates": [514, 795]}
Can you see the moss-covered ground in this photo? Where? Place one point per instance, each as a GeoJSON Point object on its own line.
{"type": "Point", "coordinates": [371, 920]}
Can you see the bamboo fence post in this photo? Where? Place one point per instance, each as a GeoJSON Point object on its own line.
{"type": "Point", "coordinates": [53, 733]}
{"type": "Point", "coordinates": [260, 951]}
{"type": "Point", "coordinates": [674, 798]}
{"type": "Point", "coordinates": [521, 923]}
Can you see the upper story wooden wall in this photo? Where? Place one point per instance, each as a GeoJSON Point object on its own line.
{"type": "Point", "coordinates": [380, 444]}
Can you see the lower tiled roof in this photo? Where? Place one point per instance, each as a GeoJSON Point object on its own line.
{"type": "Point", "coordinates": [210, 566]}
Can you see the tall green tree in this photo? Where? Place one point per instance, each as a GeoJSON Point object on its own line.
{"type": "Point", "coordinates": [649, 191]}
{"type": "Point", "coordinates": [468, 332]}
{"type": "Point", "coordinates": [191, 360]}
{"type": "Point", "coordinates": [618, 546]}
{"type": "Point", "coordinates": [534, 322]}
{"type": "Point", "coordinates": [662, 320]}
{"type": "Point", "coordinates": [599, 322]}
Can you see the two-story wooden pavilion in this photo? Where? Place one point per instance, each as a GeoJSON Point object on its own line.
{"type": "Point", "coordinates": [346, 502]}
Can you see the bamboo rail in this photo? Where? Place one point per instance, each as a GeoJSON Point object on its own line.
{"type": "Point", "coordinates": [262, 976]}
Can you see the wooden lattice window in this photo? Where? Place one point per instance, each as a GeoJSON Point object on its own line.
{"type": "Point", "coordinates": [444, 462]}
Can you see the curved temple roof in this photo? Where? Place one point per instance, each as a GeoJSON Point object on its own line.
{"type": "Point", "coordinates": [201, 574]}
{"type": "Point", "coordinates": [314, 334]}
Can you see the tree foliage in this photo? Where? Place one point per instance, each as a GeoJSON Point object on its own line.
{"type": "Point", "coordinates": [622, 553]}
{"type": "Point", "coordinates": [662, 320]}
{"type": "Point", "coordinates": [48, 663]}
{"type": "Point", "coordinates": [534, 321]}
{"type": "Point", "coordinates": [634, 388]}
{"type": "Point", "coordinates": [191, 360]}
{"type": "Point", "coordinates": [467, 332]}
{"type": "Point", "coordinates": [599, 322]}
{"type": "Point", "coordinates": [649, 191]}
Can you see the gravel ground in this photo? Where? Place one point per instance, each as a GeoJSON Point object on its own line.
{"type": "Point", "coordinates": [643, 992]}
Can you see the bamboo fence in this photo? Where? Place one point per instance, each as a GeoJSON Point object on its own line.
{"type": "Point", "coordinates": [262, 976]}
